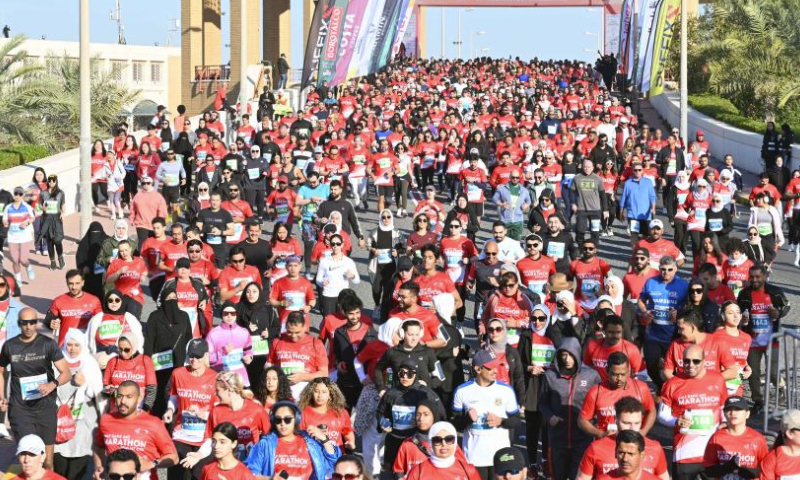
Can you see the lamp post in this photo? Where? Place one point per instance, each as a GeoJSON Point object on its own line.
{"type": "Point", "coordinates": [472, 39]}
{"type": "Point", "coordinates": [684, 70]}
{"type": "Point", "coordinates": [460, 39]}
{"type": "Point", "coordinates": [85, 121]}
{"type": "Point", "coordinates": [243, 58]}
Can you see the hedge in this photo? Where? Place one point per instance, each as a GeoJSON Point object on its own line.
{"type": "Point", "coordinates": [723, 110]}
{"type": "Point", "coordinates": [15, 155]}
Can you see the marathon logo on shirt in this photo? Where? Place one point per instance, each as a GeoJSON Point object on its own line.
{"type": "Point", "coordinates": [745, 460]}
{"type": "Point", "coordinates": [699, 399]}
{"type": "Point", "coordinates": [76, 313]}
{"type": "Point", "coordinates": [290, 355]}
{"type": "Point", "coordinates": [124, 441]}
{"type": "Point", "coordinates": [504, 312]}
{"type": "Point", "coordinates": [193, 395]}
{"type": "Point", "coordinates": [245, 433]}
{"type": "Point", "coordinates": [123, 375]}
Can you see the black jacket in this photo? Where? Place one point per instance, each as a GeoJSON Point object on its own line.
{"type": "Point", "coordinates": [345, 351]}
{"type": "Point", "coordinates": [406, 397]}
{"type": "Point", "coordinates": [450, 363]}
{"type": "Point", "coordinates": [533, 383]}
{"type": "Point", "coordinates": [779, 301]}
{"type": "Point", "coordinates": [161, 335]}
{"type": "Point", "coordinates": [570, 249]}
{"type": "Point", "coordinates": [394, 357]}
{"type": "Point", "coordinates": [662, 160]}
{"type": "Point", "coordinates": [349, 220]}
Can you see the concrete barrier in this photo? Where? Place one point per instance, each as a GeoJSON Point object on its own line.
{"type": "Point", "coordinates": [743, 145]}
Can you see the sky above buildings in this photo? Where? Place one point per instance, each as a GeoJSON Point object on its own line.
{"type": "Point", "coordinates": [524, 32]}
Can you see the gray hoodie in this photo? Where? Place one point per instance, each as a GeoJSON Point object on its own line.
{"type": "Point", "coordinates": [562, 395]}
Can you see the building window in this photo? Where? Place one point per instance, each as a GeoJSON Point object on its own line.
{"type": "Point", "coordinates": [118, 70]}
{"type": "Point", "coordinates": [155, 72]}
{"type": "Point", "coordinates": [138, 72]}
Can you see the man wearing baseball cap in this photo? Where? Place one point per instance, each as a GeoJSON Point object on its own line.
{"type": "Point", "coordinates": [737, 449]}
{"type": "Point", "coordinates": [783, 462]}
{"type": "Point", "coordinates": [509, 464]}
{"type": "Point", "coordinates": [293, 292]}
{"type": "Point", "coordinates": [485, 410]}
{"type": "Point", "coordinates": [30, 453]}
{"type": "Point", "coordinates": [659, 246]}
{"type": "Point", "coordinates": [282, 201]}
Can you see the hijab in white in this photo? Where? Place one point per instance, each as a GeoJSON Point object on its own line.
{"type": "Point", "coordinates": [541, 308]}
{"type": "Point", "coordinates": [381, 225]}
{"type": "Point", "coordinates": [121, 223]}
{"type": "Point", "coordinates": [203, 195]}
{"type": "Point", "coordinates": [682, 180]}
{"type": "Point", "coordinates": [85, 363]}
{"type": "Point", "coordinates": [387, 330]}
{"type": "Point", "coordinates": [617, 299]}
{"type": "Point", "coordinates": [436, 430]}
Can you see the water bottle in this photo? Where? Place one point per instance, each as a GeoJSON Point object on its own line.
{"type": "Point", "coordinates": [687, 414]}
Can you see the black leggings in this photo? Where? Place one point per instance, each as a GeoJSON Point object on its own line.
{"type": "Point", "coordinates": [794, 228]}
{"type": "Point", "coordinates": [327, 305]}
{"type": "Point", "coordinates": [97, 189]}
{"type": "Point", "coordinates": [53, 248]}
{"type": "Point", "coordinates": [382, 288]}
{"type": "Point", "coordinates": [427, 176]}
{"type": "Point", "coordinates": [680, 235]}
{"type": "Point", "coordinates": [256, 200]}
{"type": "Point", "coordinates": [71, 468]}
{"type": "Point", "coordinates": [533, 429]}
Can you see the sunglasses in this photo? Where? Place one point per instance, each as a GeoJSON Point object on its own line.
{"type": "Point", "coordinates": [752, 234]}
{"type": "Point", "coordinates": [122, 476]}
{"type": "Point", "coordinates": [455, 225]}
{"type": "Point", "coordinates": [539, 318]}
{"type": "Point", "coordinates": [509, 285]}
{"type": "Point", "coordinates": [336, 244]}
{"type": "Point", "coordinates": [345, 476]}
{"type": "Point", "coordinates": [194, 250]}
{"type": "Point", "coordinates": [29, 322]}
{"type": "Point", "coordinates": [589, 249]}
{"type": "Point", "coordinates": [241, 260]}
{"type": "Point", "coordinates": [3, 285]}
{"type": "Point", "coordinates": [448, 440]}
{"type": "Point", "coordinates": [514, 178]}
{"type": "Point", "coordinates": [667, 269]}
{"type": "Point", "coordinates": [531, 245]}
{"type": "Point", "coordinates": [280, 420]}
{"type": "Point", "coordinates": [637, 169]}
{"type": "Point", "coordinates": [18, 194]}
{"type": "Point", "coordinates": [228, 314]}
{"type": "Point", "coordinates": [641, 258]}
{"type": "Point", "coordinates": [147, 183]}
{"type": "Point", "coordinates": [693, 361]}
{"type": "Point", "coordinates": [406, 374]}
{"type": "Point", "coordinates": [696, 290]}
{"type": "Point", "coordinates": [203, 189]}
{"type": "Point", "coordinates": [52, 180]}
{"type": "Point", "coordinates": [170, 154]}
{"type": "Point", "coordinates": [386, 217]}
{"type": "Point", "coordinates": [494, 329]}
{"type": "Point", "coordinates": [125, 350]}
{"type": "Point", "coordinates": [233, 190]}
{"type": "Point", "coordinates": [114, 300]}
{"type": "Point", "coordinates": [506, 472]}
{"type": "Point", "coordinates": [194, 356]}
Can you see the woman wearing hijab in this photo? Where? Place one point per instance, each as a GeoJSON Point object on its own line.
{"type": "Point", "coordinates": [110, 246]}
{"type": "Point", "coordinates": [536, 351]}
{"type": "Point", "coordinates": [230, 346]}
{"type": "Point", "coordinates": [546, 206]}
{"type": "Point", "coordinates": [753, 248]}
{"type": "Point", "coordinates": [131, 364]}
{"type": "Point", "coordinates": [168, 332]}
{"type": "Point", "coordinates": [364, 420]}
{"type": "Point", "coordinates": [720, 222]}
{"type": "Point", "coordinates": [466, 215]}
{"type": "Point", "coordinates": [769, 223]}
{"type": "Point", "coordinates": [52, 227]}
{"type": "Point", "coordinates": [680, 191]}
{"type": "Point", "coordinates": [615, 292]}
{"type": "Point", "coordinates": [105, 328]}
{"type": "Point", "coordinates": [443, 462]}
{"type": "Point", "coordinates": [86, 258]}
{"type": "Point", "coordinates": [384, 244]}
{"type": "Point", "coordinates": [82, 394]}
{"type": "Point", "coordinates": [259, 319]}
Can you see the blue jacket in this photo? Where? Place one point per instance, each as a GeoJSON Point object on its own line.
{"type": "Point", "coordinates": [261, 460]}
{"type": "Point", "coordinates": [515, 213]}
{"type": "Point", "coordinates": [12, 327]}
{"type": "Point", "coordinates": [638, 198]}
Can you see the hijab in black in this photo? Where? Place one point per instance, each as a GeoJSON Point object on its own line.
{"type": "Point", "coordinates": [123, 307]}
{"type": "Point", "coordinates": [182, 145]}
{"type": "Point", "coordinates": [169, 306]}
{"type": "Point", "coordinates": [249, 312]}
{"type": "Point", "coordinates": [89, 246]}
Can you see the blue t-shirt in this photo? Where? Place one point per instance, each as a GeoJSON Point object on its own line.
{"type": "Point", "coordinates": [659, 297]}
{"type": "Point", "coordinates": [323, 190]}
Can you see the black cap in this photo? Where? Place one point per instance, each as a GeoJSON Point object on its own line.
{"type": "Point", "coordinates": [508, 459]}
{"type": "Point", "coordinates": [410, 364]}
{"type": "Point", "coordinates": [736, 403]}
{"type": "Point", "coordinates": [183, 263]}
{"type": "Point", "coordinates": [643, 251]}
{"type": "Point", "coordinates": [196, 348]}
{"type": "Point", "coordinates": [404, 264]}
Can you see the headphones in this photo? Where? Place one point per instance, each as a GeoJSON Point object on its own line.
{"type": "Point", "coordinates": [298, 415]}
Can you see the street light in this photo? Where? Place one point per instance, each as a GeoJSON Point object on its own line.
{"type": "Point", "coordinates": [460, 39]}
{"type": "Point", "coordinates": [85, 120]}
{"type": "Point", "coordinates": [472, 38]}
{"type": "Point", "coordinates": [599, 39]}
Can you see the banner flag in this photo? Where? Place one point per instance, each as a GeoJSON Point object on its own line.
{"type": "Point", "coordinates": [646, 42]}
{"type": "Point", "coordinates": [351, 31]}
{"type": "Point", "coordinates": [401, 32]}
{"type": "Point", "coordinates": [669, 16]}
{"type": "Point", "coordinates": [314, 43]}
{"type": "Point", "coordinates": [335, 18]}
{"type": "Point", "coordinates": [625, 23]}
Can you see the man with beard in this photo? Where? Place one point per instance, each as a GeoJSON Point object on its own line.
{"type": "Point", "coordinates": [140, 431]}
{"type": "Point", "coordinates": [589, 273]}
{"type": "Point", "coordinates": [535, 269]}
{"type": "Point", "coordinates": [659, 246]}
{"type": "Point", "coordinates": [484, 276]}
{"type": "Point", "coordinates": [215, 222]}
{"type": "Point", "coordinates": [337, 203]}
{"type": "Point", "coordinates": [630, 452]}
{"type": "Point", "coordinates": [240, 211]}
{"type": "Point", "coordinates": [589, 202]}
{"type": "Point", "coordinates": [557, 243]}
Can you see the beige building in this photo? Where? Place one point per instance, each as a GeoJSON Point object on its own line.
{"type": "Point", "coordinates": [155, 71]}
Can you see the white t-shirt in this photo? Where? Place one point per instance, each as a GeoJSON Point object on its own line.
{"type": "Point", "coordinates": [481, 441]}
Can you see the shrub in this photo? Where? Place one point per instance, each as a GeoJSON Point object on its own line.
{"type": "Point", "coordinates": [723, 110]}
{"type": "Point", "coordinates": [15, 155]}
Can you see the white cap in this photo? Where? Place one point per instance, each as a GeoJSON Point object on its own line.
{"type": "Point", "coordinates": [624, 120]}
{"type": "Point", "coordinates": [656, 223]}
{"type": "Point", "coordinates": [30, 444]}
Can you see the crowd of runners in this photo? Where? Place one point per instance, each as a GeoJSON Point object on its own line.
{"type": "Point", "coordinates": [512, 175]}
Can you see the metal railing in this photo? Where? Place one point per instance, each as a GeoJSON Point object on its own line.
{"type": "Point", "coordinates": [212, 73]}
{"type": "Point", "coordinates": [785, 397]}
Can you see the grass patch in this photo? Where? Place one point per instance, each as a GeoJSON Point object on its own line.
{"type": "Point", "coordinates": [15, 155]}
{"type": "Point", "coordinates": [723, 110]}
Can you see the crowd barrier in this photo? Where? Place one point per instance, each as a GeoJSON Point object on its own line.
{"type": "Point", "coordinates": [782, 396]}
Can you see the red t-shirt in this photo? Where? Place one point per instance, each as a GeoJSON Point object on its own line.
{"type": "Point", "coordinates": [140, 369]}
{"type": "Point", "coordinates": [751, 447]}
{"type": "Point", "coordinates": [717, 358]}
{"type": "Point", "coordinates": [151, 253]}
{"type": "Point", "coordinates": [597, 352]}
{"type": "Point", "coordinates": [739, 347]}
{"type": "Point", "coordinates": [633, 283]}
{"type": "Point", "coordinates": [430, 322]}
{"type": "Point", "coordinates": [600, 400]}
{"type": "Point", "coordinates": [251, 421]}
{"type": "Point", "coordinates": [329, 326]}
{"type": "Point", "coordinates": [779, 465]}
{"type": "Point", "coordinates": [432, 285]}
{"type": "Point", "coordinates": [281, 250]}
{"type": "Point", "coordinates": [240, 472]}
{"type": "Point", "coordinates": [171, 253]}
{"type": "Point", "coordinates": [589, 279]}
{"type": "Point", "coordinates": [230, 278]}
{"type": "Point", "coordinates": [658, 249]}
{"type": "Point", "coordinates": [721, 294]}
{"type": "Point", "coordinates": [600, 457]}
{"type": "Point", "coordinates": [237, 208]}
{"type": "Point", "coordinates": [129, 282]}
{"type": "Point", "coordinates": [196, 398]}
{"type": "Point", "coordinates": [536, 273]}
{"type": "Point", "coordinates": [296, 293]}
{"type": "Point", "coordinates": [142, 433]}
{"type": "Point", "coordinates": [338, 424]}
{"type": "Point", "coordinates": [293, 457]}
{"type": "Point", "coordinates": [306, 356]}
{"type": "Point", "coordinates": [111, 326]}
{"type": "Point", "coordinates": [616, 475]}
{"type": "Point", "coordinates": [705, 398]}
{"type": "Point", "coordinates": [454, 252]}
{"type": "Point", "coordinates": [74, 312]}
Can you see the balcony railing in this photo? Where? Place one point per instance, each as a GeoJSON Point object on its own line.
{"type": "Point", "coordinates": [212, 73]}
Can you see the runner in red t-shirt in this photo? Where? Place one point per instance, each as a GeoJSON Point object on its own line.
{"type": "Point", "coordinates": [597, 351]}
{"type": "Point", "coordinates": [225, 440]}
{"type": "Point", "coordinates": [738, 442]}
{"type": "Point", "coordinates": [293, 293]}
{"type": "Point", "coordinates": [689, 329]}
{"type": "Point", "coordinates": [73, 309]}
{"type": "Point", "coordinates": [324, 406]}
{"type": "Point", "coordinates": [433, 282]}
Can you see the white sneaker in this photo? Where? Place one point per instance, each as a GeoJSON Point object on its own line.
{"type": "Point", "coordinates": [610, 232]}
{"type": "Point", "coordinates": [399, 213]}
{"type": "Point", "coordinates": [4, 431]}
{"type": "Point", "coordinates": [18, 278]}
{"type": "Point", "coordinates": [31, 273]}
{"type": "Point", "coordinates": [603, 233]}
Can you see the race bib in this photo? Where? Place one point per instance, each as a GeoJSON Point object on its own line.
{"type": "Point", "coordinates": [761, 323]}
{"type": "Point", "coordinates": [764, 229]}
{"type": "Point", "coordinates": [672, 168]}
{"type": "Point", "coordinates": [193, 428]}
{"type": "Point", "coordinates": [595, 224]}
{"type": "Point", "coordinates": [536, 286]}
{"type": "Point", "coordinates": [715, 224]}
{"type": "Point", "coordinates": [260, 345]}
{"type": "Point", "coordinates": [238, 228]}
{"type": "Point", "coordinates": [51, 207]}
{"type": "Point", "coordinates": [589, 288]}
{"type": "Point", "coordinates": [453, 259]}
{"type": "Point", "coordinates": [232, 163]}
{"type": "Point", "coordinates": [162, 360]}
{"type": "Point", "coordinates": [555, 250]}
{"type": "Point", "coordinates": [473, 192]}
{"type": "Point", "coordinates": [192, 313]}
{"type": "Point", "coordinates": [109, 330]}
{"type": "Point", "coordinates": [290, 367]}
{"type": "Point", "coordinates": [213, 239]}
{"type": "Point", "coordinates": [635, 226]}
{"type": "Point", "coordinates": [294, 300]}
{"type": "Point", "coordinates": [661, 316]}
{"type": "Point", "coordinates": [233, 360]}
{"type": "Point", "coordinates": [171, 179]}
{"type": "Point", "coordinates": [704, 422]}
{"type": "Point", "coordinates": [403, 417]}
{"type": "Point", "coordinates": [384, 256]}
{"type": "Point", "coordinates": [29, 386]}
{"type": "Point", "coordinates": [253, 173]}
{"type": "Point", "coordinates": [542, 355]}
